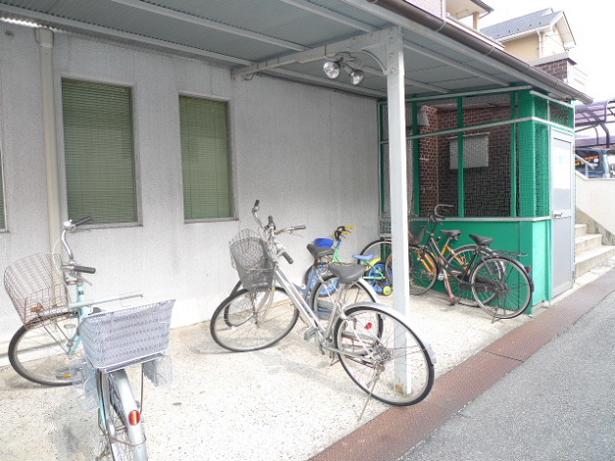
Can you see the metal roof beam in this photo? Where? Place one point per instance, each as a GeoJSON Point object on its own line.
{"type": "Point", "coordinates": [354, 44]}
{"type": "Point", "coordinates": [209, 24]}
{"type": "Point", "coordinates": [330, 14]}
{"type": "Point", "coordinates": [451, 62]}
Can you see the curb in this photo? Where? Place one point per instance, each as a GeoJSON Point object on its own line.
{"type": "Point", "coordinates": [396, 431]}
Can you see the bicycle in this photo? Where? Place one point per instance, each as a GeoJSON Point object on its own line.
{"type": "Point", "coordinates": [500, 285]}
{"type": "Point", "coordinates": [424, 276]}
{"type": "Point", "coordinates": [375, 268]}
{"type": "Point", "coordinates": [373, 343]}
{"type": "Point", "coordinates": [48, 350]}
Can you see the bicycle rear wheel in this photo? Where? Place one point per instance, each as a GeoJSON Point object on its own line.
{"type": "Point", "coordinates": [324, 294]}
{"type": "Point", "coordinates": [377, 274]}
{"type": "Point", "coordinates": [252, 320]}
{"type": "Point", "coordinates": [388, 361]}
{"type": "Point", "coordinates": [120, 418]}
{"type": "Point", "coordinates": [502, 287]}
{"type": "Point", "coordinates": [39, 351]}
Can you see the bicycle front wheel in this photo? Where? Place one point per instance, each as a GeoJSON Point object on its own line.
{"type": "Point", "coordinates": [502, 287]}
{"type": "Point", "coordinates": [423, 270]}
{"type": "Point", "coordinates": [252, 320]}
{"type": "Point", "coordinates": [39, 351]}
{"type": "Point", "coordinates": [120, 418]}
{"type": "Point", "coordinates": [388, 361]}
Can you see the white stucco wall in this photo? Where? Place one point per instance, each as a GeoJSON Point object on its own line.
{"type": "Point", "coordinates": [309, 154]}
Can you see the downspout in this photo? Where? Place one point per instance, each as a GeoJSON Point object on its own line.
{"type": "Point", "coordinates": [540, 44]}
{"type": "Point", "coordinates": [44, 38]}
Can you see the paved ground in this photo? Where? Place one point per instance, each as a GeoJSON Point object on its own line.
{"type": "Point", "coordinates": [285, 403]}
{"type": "Point", "coordinates": [559, 405]}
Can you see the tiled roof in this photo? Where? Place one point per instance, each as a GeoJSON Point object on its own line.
{"type": "Point", "coordinates": [522, 24]}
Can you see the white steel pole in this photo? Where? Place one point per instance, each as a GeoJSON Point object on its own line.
{"type": "Point", "coordinates": [396, 105]}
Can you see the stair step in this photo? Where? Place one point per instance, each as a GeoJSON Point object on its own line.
{"type": "Point", "coordinates": [580, 229]}
{"type": "Point", "coordinates": [587, 242]}
{"type": "Point", "coordinates": [586, 260]}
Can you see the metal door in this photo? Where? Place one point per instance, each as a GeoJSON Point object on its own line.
{"type": "Point", "coordinates": [562, 209]}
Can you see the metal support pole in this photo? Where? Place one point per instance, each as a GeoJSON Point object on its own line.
{"type": "Point", "coordinates": [44, 37]}
{"type": "Point", "coordinates": [461, 203]}
{"type": "Point", "coordinates": [396, 104]}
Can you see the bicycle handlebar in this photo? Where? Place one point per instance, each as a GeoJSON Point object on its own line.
{"type": "Point", "coordinates": [270, 231]}
{"type": "Point", "coordinates": [80, 269]}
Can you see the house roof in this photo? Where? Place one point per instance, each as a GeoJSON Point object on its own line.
{"type": "Point", "coordinates": [523, 24]}
{"type": "Point", "coordinates": [460, 9]}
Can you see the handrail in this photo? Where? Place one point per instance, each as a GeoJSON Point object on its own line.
{"type": "Point", "coordinates": [592, 166]}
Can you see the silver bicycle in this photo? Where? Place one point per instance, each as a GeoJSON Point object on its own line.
{"type": "Point", "coordinates": [375, 344]}
{"type": "Point", "coordinates": [63, 343]}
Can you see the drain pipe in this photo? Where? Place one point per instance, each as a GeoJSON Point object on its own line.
{"type": "Point", "coordinates": [44, 38]}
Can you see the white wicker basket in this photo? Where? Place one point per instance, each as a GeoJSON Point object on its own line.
{"type": "Point", "coordinates": [115, 339]}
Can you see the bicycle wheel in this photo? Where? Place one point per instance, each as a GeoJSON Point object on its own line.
{"type": "Point", "coordinates": [392, 364]}
{"type": "Point", "coordinates": [252, 320]}
{"type": "Point", "coordinates": [323, 295]}
{"type": "Point", "coordinates": [502, 287]}
{"type": "Point", "coordinates": [423, 270]}
{"type": "Point", "coordinates": [120, 418]}
{"type": "Point", "coordinates": [39, 352]}
{"type": "Point", "coordinates": [380, 248]}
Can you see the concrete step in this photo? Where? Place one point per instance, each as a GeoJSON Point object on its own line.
{"type": "Point", "coordinates": [587, 242]}
{"type": "Point", "coordinates": [588, 259]}
{"type": "Point", "coordinates": [580, 229]}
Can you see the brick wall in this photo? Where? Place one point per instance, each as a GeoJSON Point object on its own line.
{"type": "Point", "coordinates": [559, 69]}
{"type": "Point", "coordinates": [487, 189]}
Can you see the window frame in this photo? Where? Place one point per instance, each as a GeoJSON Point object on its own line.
{"type": "Point", "coordinates": [231, 157]}
{"type": "Point", "coordinates": [63, 177]}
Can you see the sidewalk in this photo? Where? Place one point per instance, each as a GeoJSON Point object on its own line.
{"type": "Point", "coordinates": [556, 406]}
{"type": "Point", "coordinates": [284, 403]}
{"type": "Point", "coordinates": [396, 431]}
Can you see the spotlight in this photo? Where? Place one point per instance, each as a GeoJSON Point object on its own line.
{"type": "Point", "coordinates": [331, 69]}
{"type": "Point", "coordinates": [356, 76]}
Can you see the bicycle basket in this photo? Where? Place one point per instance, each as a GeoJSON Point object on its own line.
{"type": "Point", "coordinates": [36, 288]}
{"type": "Point", "coordinates": [116, 339]}
{"type": "Point", "coordinates": [250, 257]}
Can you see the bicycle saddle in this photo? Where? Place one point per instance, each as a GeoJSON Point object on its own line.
{"type": "Point", "coordinates": [347, 273]}
{"type": "Point", "coordinates": [319, 252]}
{"type": "Point", "coordinates": [364, 258]}
{"type": "Point", "coordinates": [481, 241]}
{"type": "Point", "coordinates": [453, 233]}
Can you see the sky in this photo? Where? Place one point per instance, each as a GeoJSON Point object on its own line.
{"type": "Point", "coordinates": [592, 23]}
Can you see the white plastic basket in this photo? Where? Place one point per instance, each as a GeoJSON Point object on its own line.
{"type": "Point", "coordinates": [115, 339]}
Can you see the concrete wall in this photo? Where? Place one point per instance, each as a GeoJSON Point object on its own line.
{"type": "Point", "coordinates": [309, 154]}
{"type": "Point", "coordinates": [594, 203]}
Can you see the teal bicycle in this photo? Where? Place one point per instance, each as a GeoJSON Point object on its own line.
{"type": "Point", "coordinates": [63, 343]}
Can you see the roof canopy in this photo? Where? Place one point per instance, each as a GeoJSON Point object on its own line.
{"type": "Point", "coordinates": [594, 123]}
{"type": "Point", "coordinates": [244, 33]}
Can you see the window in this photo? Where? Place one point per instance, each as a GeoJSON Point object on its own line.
{"type": "Point", "coordinates": [205, 158]}
{"type": "Point", "coordinates": [99, 152]}
{"type": "Point", "coordinates": [475, 151]}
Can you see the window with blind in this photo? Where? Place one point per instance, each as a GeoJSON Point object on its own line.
{"type": "Point", "coordinates": [99, 152]}
{"type": "Point", "coordinates": [206, 168]}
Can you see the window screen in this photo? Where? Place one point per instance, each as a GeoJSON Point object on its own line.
{"type": "Point", "coordinates": [205, 158]}
{"type": "Point", "coordinates": [99, 152]}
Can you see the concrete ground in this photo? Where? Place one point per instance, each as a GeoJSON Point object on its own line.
{"type": "Point", "coordinates": [556, 406]}
{"type": "Point", "coordinates": [284, 403]}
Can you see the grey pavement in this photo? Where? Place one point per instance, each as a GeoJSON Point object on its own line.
{"type": "Point", "coordinates": [559, 405]}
